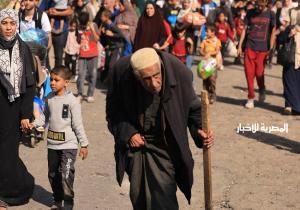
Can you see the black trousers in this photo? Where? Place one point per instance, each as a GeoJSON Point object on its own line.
{"type": "Point", "coordinates": [59, 41]}
{"type": "Point", "coordinates": [70, 62]}
{"type": "Point", "coordinates": [152, 178]}
{"type": "Point", "coordinates": [61, 174]}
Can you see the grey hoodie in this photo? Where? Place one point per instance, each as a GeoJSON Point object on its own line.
{"type": "Point", "coordinates": [63, 113]}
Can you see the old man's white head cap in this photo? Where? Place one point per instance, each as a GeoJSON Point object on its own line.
{"type": "Point", "coordinates": [144, 58]}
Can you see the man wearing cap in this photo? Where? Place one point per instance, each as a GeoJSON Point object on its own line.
{"type": "Point", "coordinates": [150, 104]}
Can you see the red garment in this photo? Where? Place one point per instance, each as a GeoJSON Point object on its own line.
{"type": "Point", "coordinates": [179, 49]}
{"type": "Point", "coordinates": [88, 45]}
{"type": "Point", "coordinates": [223, 32]}
{"type": "Point", "coordinates": [255, 67]}
{"type": "Point", "coordinates": [239, 25]}
{"type": "Point", "coordinates": [169, 32]}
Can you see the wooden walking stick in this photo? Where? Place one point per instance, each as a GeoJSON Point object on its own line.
{"type": "Point", "coordinates": [206, 151]}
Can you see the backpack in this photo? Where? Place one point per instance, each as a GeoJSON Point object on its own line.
{"type": "Point", "coordinates": [37, 18]}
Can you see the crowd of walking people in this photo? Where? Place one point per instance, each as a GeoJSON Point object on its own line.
{"type": "Point", "coordinates": [90, 35]}
{"type": "Point", "coordinates": [132, 45]}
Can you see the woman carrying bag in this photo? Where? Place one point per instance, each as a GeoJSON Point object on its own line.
{"type": "Point", "coordinates": [291, 68]}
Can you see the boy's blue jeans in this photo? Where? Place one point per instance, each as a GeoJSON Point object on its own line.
{"type": "Point", "coordinates": [87, 69]}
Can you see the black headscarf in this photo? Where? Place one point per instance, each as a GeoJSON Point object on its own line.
{"type": "Point", "coordinates": [150, 30]}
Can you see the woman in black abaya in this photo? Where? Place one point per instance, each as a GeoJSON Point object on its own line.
{"type": "Point", "coordinates": [17, 87]}
{"type": "Point", "coordinates": [150, 30]}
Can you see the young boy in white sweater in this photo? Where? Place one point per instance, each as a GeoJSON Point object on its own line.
{"type": "Point", "coordinates": [63, 114]}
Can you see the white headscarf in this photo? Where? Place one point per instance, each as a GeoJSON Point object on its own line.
{"type": "Point", "coordinates": [10, 13]}
{"type": "Point", "coordinates": [11, 66]}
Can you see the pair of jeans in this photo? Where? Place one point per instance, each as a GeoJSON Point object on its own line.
{"type": "Point", "coordinates": [59, 41]}
{"type": "Point", "coordinates": [87, 68]}
{"type": "Point", "coordinates": [61, 174]}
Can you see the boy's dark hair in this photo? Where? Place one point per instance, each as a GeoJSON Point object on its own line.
{"type": "Point", "coordinates": [179, 27]}
{"type": "Point", "coordinates": [212, 28]}
{"type": "Point", "coordinates": [62, 71]}
{"type": "Point", "coordinates": [83, 18]}
{"type": "Point", "coordinates": [107, 13]}
{"type": "Point", "coordinates": [72, 21]}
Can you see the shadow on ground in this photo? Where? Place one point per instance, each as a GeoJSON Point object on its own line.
{"type": "Point", "coordinates": [268, 92]}
{"type": "Point", "coordinates": [241, 68]}
{"type": "Point", "coordinates": [102, 86]}
{"type": "Point", "coordinates": [274, 140]}
{"type": "Point", "coordinates": [241, 102]}
{"type": "Point", "coordinates": [42, 196]}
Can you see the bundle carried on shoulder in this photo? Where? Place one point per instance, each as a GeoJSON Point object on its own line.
{"type": "Point", "coordinates": [194, 18]}
{"type": "Point", "coordinates": [37, 40]}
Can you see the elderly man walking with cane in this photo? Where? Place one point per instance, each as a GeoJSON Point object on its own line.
{"type": "Point", "coordinates": [150, 104]}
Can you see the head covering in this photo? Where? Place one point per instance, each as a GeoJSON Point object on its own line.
{"type": "Point", "coordinates": [15, 71]}
{"type": "Point", "coordinates": [150, 30]}
{"type": "Point", "coordinates": [128, 17]}
{"type": "Point", "coordinates": [10, 13]}
{"type": "Point", "coordinates": [144, 58]}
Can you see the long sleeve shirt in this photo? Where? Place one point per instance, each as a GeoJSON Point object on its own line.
{"type": "Point", "coordinates": [223, 32]}
{"type": "Point", "coordinates": [63, 113]}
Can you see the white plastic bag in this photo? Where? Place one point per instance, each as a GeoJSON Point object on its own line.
{"type": "Point", "coordinates": [231, 50]}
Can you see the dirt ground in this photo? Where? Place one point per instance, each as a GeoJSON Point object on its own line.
{"type": "Point", "coordinates": [249, 170]}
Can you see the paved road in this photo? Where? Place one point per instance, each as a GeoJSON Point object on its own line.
{"type": "Point", "coordinates": [250, 171]}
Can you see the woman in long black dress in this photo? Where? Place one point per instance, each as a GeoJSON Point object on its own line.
{"type": "Point", "coordinates": [150, 30]}
{"type": "Point", "coordinates": [17, 87]}
{"type": "Point", "coordinates": [291, 72]}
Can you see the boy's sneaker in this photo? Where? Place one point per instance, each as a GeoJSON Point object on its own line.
{"type": "Point", "coordinates": [262, 96]}
{"type": "Point", "coordinates": [287, 111]}
{"type": "Point", "coordinates": [90, 99]}
{"type": "Point", "coordinates": [40, 129]}
{"type": "Point", "coordinates": [250, 104]}
{"type": "Point", "coordinates": [56, 206]}
{"type": "Point", "coordinates": [221, 68]}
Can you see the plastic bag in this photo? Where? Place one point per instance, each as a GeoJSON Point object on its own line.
{"type": "Point", "coordinates": [206, 68]}
{"type": "Point", "coordinates": [35, 35]}
{"type": "Point", "coordinates": [231, 50]}
{"type": "Point", "coordinates": [37, 41]}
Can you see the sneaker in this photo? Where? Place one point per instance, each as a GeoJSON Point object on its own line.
{"type": "Point", "coordinates": [56, 206]}
{"type": "Point", "coordinates": [90, 99]}
{"type": "Point", "coordinates": [249, 104]}
{"type": "Point", "coordinates": [40, 129]}
{"type": "Point", "coordinates": [287, 111]}
{"type": "Point", "coordinates": [79, 98]}
{"type": "Point", "coordinates": [221, 68]}
{"type": "Point", "coordinates": [262, 96]}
